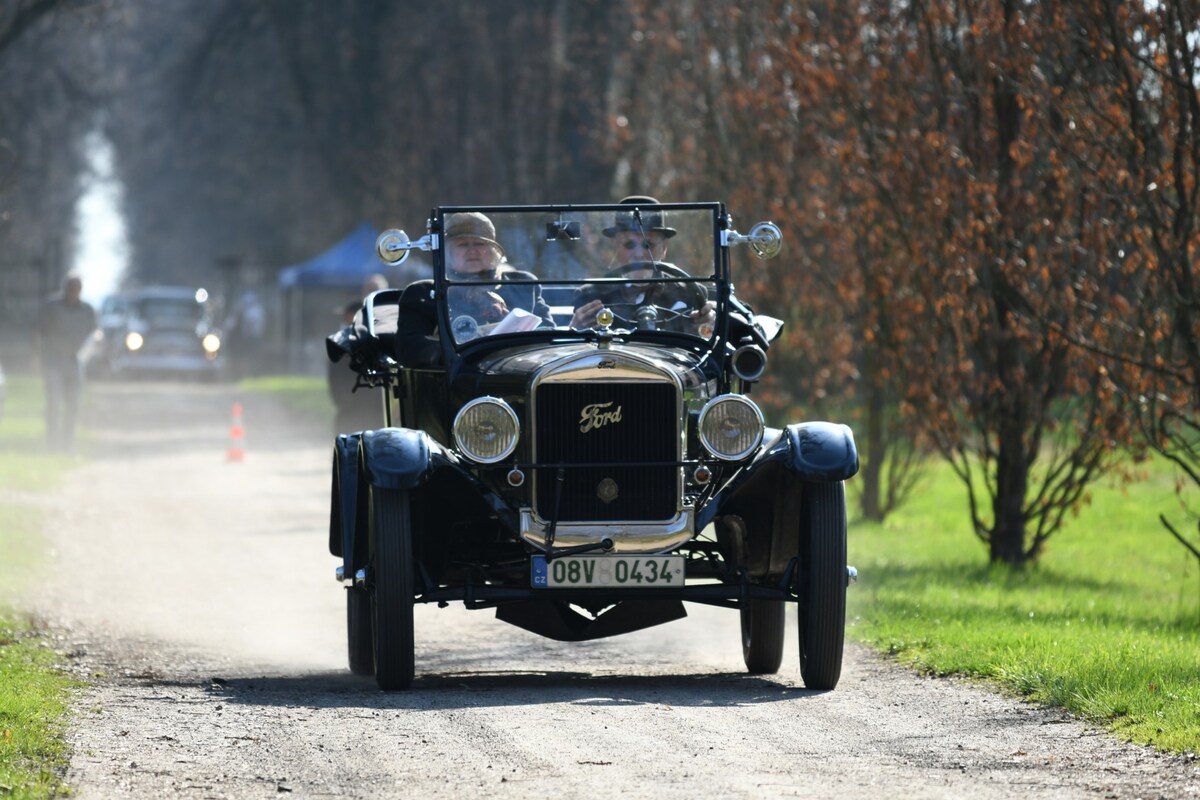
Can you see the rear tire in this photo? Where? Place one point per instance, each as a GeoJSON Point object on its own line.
{"type": "Point", "coordinates": [822, 613]}
{"type": "Point", "coordinates": [763, 626]}
{"type": "Point", "coordinates": [392, 599]}
{"type": "Point", "coordinates": [361, 649]}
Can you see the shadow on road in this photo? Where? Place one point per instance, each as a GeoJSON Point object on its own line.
{"type": "Point", "coordinates": [452, 690]}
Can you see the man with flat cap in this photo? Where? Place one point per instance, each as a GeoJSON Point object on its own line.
{"type": "Point", "coordinates": [640, 237]}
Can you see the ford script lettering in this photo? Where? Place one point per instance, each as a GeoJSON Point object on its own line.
{"type": "Point", "coordinates": [597, 415]}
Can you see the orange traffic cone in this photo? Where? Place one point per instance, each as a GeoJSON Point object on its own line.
{"type": "Point", "coordinates": [237, 449]}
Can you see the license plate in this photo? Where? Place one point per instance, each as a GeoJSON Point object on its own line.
{"type": "Point", "coordinates": [586, 572]}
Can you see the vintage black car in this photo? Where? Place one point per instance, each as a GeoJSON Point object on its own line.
{"type": "Point", "coordinates": [567, 437]}
{"type": "Point", "coordinates": [161, 331]}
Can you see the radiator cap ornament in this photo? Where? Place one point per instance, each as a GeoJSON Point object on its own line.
{"type": "Point", "coordinates": [607, 491]}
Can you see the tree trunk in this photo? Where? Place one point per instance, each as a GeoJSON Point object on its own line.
{"type": "Point", "coordinates": [1007, 544]}
{"type": "Point", "coordinates": [872, 466]}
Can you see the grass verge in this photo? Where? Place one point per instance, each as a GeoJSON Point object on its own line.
{"type": "Point", "coordinates": [34, 692]}
{"type": "Point", "coordinates": [1105, 625]}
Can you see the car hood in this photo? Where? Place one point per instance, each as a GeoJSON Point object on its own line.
{"type": "Point", "coordinates": [525, 360]}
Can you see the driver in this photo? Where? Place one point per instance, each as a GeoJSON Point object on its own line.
{"type": "Point", "coordinates": [641, 236]}
{"type": "Point", "coordinates": [472, 253]}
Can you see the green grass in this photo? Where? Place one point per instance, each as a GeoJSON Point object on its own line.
{"type": "Point", "coordinates": [34, 693]}
{"type": "Point", "coordinates": [34, 708]}
{"type": "Point", "coordinates": [1107, 625]}
{"type": "Point", "coordinates": [25, 464]}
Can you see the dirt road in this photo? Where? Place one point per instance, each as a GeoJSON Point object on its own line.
{"type": "Point", "coordinates": [199, 595]}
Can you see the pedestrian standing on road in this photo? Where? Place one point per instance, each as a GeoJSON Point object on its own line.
{"type": "Point", "coordinates": [244, 331]}
{"type": "Point", "coordinates": [64, 326]}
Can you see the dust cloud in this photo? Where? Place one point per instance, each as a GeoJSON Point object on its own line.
{"type": "Point", "coordinates": [159, 535]}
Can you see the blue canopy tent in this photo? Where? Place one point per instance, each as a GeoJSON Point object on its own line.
{"type": "Point", "coordinates": [316, 290]}
{"type": "Point", "coordinates": [345, 265]}
{"type": "Point", "coordinates": [313, 290]}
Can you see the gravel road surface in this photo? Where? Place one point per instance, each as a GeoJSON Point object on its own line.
{"type": "Point", "coordinates": [199, 596]}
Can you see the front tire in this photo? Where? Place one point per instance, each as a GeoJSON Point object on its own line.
{"type": "Point", "coordinates": [822, 613]}
{"type": "Point", "coordinates": [392, 599]}
{"type": "Point", "coordinates": [763, 626]}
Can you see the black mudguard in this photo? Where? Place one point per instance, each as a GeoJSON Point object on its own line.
{"type": "Point", "coordinates": [390, 458]}
{"type": "Point", "coordinates": [397, 458]}
{"type": "Point", "coordinates": [821, 451]}
{"type": "Point", "coordinates": [344, 490]}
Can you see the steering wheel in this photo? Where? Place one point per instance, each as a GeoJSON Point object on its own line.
{"type": "Point", "coordinates": [692, 295]}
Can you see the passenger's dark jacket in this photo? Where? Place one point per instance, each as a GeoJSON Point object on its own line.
{"type": "Point", "coordinates": [416, 326]}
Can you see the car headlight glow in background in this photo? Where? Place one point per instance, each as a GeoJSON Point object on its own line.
{"type": "Point", "coordinates": [486, 430]}
{"type": "Point", "coordinates": [731, 427]}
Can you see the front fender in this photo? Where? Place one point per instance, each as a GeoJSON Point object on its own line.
{"type": "Point", "coordinates": [821, 451]}
{"type": "Point", "coordinates": [390, 458]}
{"type": "Point", "coordinates": [396, 458]}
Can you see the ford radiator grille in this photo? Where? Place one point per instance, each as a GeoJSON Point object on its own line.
{"type": "Point", "coordinates": [618, 426]}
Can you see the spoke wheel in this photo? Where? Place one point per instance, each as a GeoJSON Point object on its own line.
{"type": "Point", "coordinates": [361, 649]}
{"type": "Point", "coordinates": [763, 625]}
{"type": "Point", "coordinates": [392, 598]}
{"type": "Point", "coordinates": [822, 614]}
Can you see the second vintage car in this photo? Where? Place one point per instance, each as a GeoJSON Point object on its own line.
{"type": "Point", "coordinates": [158, 331]}
{"type": "Point", "coordinates": [568, 437]}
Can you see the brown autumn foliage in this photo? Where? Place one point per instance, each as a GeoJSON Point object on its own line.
{"type": "Point", "coordinates": [1149, 127]}
{"type": "Point", "coordinates": [928, 157]}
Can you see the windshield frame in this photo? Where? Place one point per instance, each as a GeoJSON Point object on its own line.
{"type": "Point", "coordinates": [708, 219]}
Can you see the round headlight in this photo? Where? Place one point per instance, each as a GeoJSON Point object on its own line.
{"type": "Point", "coordinates": [731, 427]}
{"type": "Point", "coordinates": [486, 430]}
{"type": "Point", "coordinates": [210, 343]}
{"type": "Point", "coordinates": [134, 340]}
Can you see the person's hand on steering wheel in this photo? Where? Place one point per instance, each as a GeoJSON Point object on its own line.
{"type": "Point", "coordinates": [688, 304]}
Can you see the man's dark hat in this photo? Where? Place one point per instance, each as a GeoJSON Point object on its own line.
{"type": "Point", "coordinates": [645, 220]}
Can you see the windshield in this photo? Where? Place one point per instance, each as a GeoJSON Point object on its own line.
{"type": "Point", "coordinates": [645, 269]}
{"type": "Point", "coordinates": [169, 312]}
